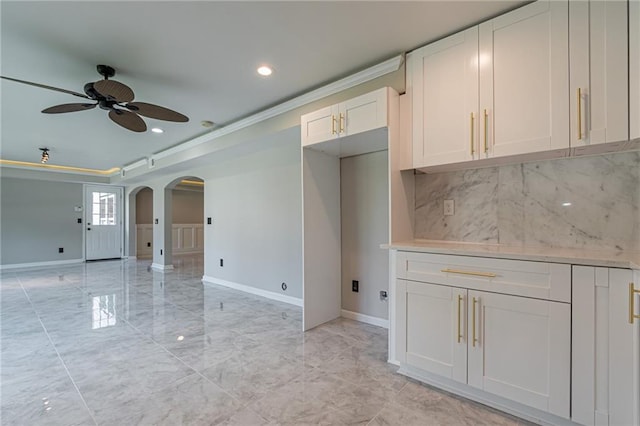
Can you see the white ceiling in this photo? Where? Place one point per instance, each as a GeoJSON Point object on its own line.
{"type": "Point", "coordinates": [198, 58]}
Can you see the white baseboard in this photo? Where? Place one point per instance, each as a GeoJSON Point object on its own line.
{"type": "Point", "coordinates": [132, 257]}
{"type": "Point", "coordinates": [511, 407]}
{"type": "Point", "coordinates": [160, 267]}
{"type": "Point", "coordinates": [41, 264]}
{"type": "Point", "coordinates": [380, 322]}
{"type": "Point", "coordinates": [253, 290]}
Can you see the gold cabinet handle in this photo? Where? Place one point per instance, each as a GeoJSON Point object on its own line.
{"type": "Point", "coordinates": [632, 310]}
{"type": "Point", "coordinates": [479, 274]}
{"type": "Point", "coordinates": [459, 321]}
{"type": "Point", "coordinates": [471, 137]}
{"type": "Point", "coordinates": [486, 131]}
{"type": "Point", "coordinates": [333, 124]}
{"type": "Point", "coordinates": [473, 325]}
{"type": "Point", "coordinates": [579, 113]}
{"type": "Point", "coordinates": [342, 123]}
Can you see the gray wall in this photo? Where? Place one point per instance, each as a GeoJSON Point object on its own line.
{"type": "Point", "coordinates": [144, 206]}
{"type": "Point", "coordinates": [528, 204]}
{"type": "Point", "coordinates": [365, 225]}
{"type": "Point", "coordinates": [188, 206]}
{"type": "Point", "coordinates": [38, 217]}
{"type": "Point", "coordinates": [256, 206]}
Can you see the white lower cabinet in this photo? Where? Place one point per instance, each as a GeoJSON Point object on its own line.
{"type": "Point", "coordinates": [514, 347]}
{"type": "Point", "coordinates": [520, 349]}
{"type": "Point", "coordinates": [606, 346]}
{"type": "Point", "coordinates": [434, 339]}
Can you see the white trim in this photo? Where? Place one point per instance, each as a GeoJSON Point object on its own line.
{"type": "Point", "coordinates": [253, 290]}
{"type": "Point", "coordinates": [135, 165]}
{"type": "Point", "coordinates": [511, 407]}
{"type": "Point", "coordinates": [41, 264]}
{"type": "Point", "coordinates": [368, 319]}
{"type": "Point", "coordinates": [160, 267]}
{"type": "Point", "coordinates": [131, 257]}
{"type": "Point", "coordinates": [353, 80]}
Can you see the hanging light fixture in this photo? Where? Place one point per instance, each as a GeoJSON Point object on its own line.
{"type": "Point", "coordinates": [45, 155]}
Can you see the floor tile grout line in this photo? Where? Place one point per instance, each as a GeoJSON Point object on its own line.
{"type": "Point", "coordinates": [183, 362]}
{"type": "Point", "coordinates": [64, 365]}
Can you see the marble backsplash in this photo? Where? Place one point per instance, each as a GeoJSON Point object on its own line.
{"type": "Point", "coordinates": [585, 202]}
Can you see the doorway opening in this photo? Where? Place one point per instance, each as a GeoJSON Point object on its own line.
{"type": "Point", "coordinates": [187, 222]}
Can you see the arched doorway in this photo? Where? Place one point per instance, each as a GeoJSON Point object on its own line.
{"type": "Point", "coordinates": [140, 223]}
{"type": "Point", "coordinates": [186, 220]}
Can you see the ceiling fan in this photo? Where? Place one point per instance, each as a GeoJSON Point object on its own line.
{"type": "Point", "coordinates": [112, 96]}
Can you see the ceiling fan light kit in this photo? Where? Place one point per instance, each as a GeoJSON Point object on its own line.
{"type": "Point", "coordinates": [112, 96]}
{"type": "Point", "coordinates": [45, 155]}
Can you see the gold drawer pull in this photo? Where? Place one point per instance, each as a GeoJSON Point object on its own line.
{"type": "Point", "coordinates": [471, 136]}
{"type": "Point", "coordinates": [479, 274]}
{"type": "Point", "coordinates": [473, 326]}
{"type": "Point", "coordinates": [459, 325]}
{"type": "Point", "coordinates": [632, 310]}
{"type": "Point", "coordinates": [333, 124]}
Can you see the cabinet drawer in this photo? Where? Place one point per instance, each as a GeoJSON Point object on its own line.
{"type": "Point", "coordinates": [548, 281]}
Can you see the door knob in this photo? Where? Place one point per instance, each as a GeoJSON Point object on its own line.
{"type": "Point", "coordinates": [88, 229]}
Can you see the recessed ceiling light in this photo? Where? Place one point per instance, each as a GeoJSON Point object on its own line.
{"type": "Point", "coordinates": [265, 71]}
{"type": "Point", "coordinates": [207, 123]}
{"type": "Point", "coordinates": [566, 204]}
{"type": "Point", "coordinates": [157, 130]}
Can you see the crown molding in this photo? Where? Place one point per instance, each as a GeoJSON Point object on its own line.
{"type": "Point", "coordinates": [353, 80]}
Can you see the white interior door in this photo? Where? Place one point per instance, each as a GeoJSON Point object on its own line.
{"type": "Point", "coordinates": [103, 222]}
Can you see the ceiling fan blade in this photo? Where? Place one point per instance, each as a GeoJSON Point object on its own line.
{"type": "Point", "coordinates": [128, 120]}
{"type": "Point", "coordinates": [44, 86]}
{"type": "Point", "coordinates": [68, 108]}
{"type": "Point", "coordinates": [114, 89]}
{"type": "Point", "coordinates": [157, 112]}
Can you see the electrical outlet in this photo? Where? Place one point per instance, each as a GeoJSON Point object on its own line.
{"type": "Point", "coordinates": [383, 295]}
{"type": "Point", "coordinates": [449, 208]}
{"type": "Point", "coordinates": [355, 286]}
{"type": "Point", "coordinates": [60, 249]}
{"type": "Point", "coordinates": [221, 262]}
{"type": "Point", "coordinates": [148, 244]}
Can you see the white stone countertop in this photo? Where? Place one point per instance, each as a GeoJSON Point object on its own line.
{"type": "Point", "coordinates": [603, 258]}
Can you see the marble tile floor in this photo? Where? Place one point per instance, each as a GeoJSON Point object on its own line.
{"type": "Point", "coordinates": [115, 343]}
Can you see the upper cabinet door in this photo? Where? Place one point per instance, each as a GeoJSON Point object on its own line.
{"type": "Point", "coordinates": [599, 72]}
{"type": "Point", "coordinates": [366, 112]}
{"type": "Point", "coordinates": [444, 87]}
{"type": "Point", "coordinates": [320, 125]}
{"type": "Point", "coordinates": [634, 68]}
{"type": "Point", "coordinates": [524, 80]}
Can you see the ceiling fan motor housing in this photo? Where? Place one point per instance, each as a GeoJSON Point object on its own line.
{"type": "Point", "coordinates": [106, 71]}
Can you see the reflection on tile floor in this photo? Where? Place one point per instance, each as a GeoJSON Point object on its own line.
{"type": "Point", "coordinates": [116, 343]}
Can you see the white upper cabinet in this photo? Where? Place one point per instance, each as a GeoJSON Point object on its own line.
{"type": "Point", "coordinates": [634, 68]}
{"type": "Point", "coordinates": [524, 80]}
{"type": "Point", "coordinates": [444, 82]}
{"type": "Point", "coordinates": [366, 112]}
{"type": "Point", "coordinates": [354, 116]}
{"type": "Point", "coordinates": [320, 125]}
{"type": "Point", "coordinates": [599, 91]}
{"type": "Point", "coordinates": [496, 90]}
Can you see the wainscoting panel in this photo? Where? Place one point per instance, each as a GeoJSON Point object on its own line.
{"type": "Point", "coordinates": [186, 238]}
